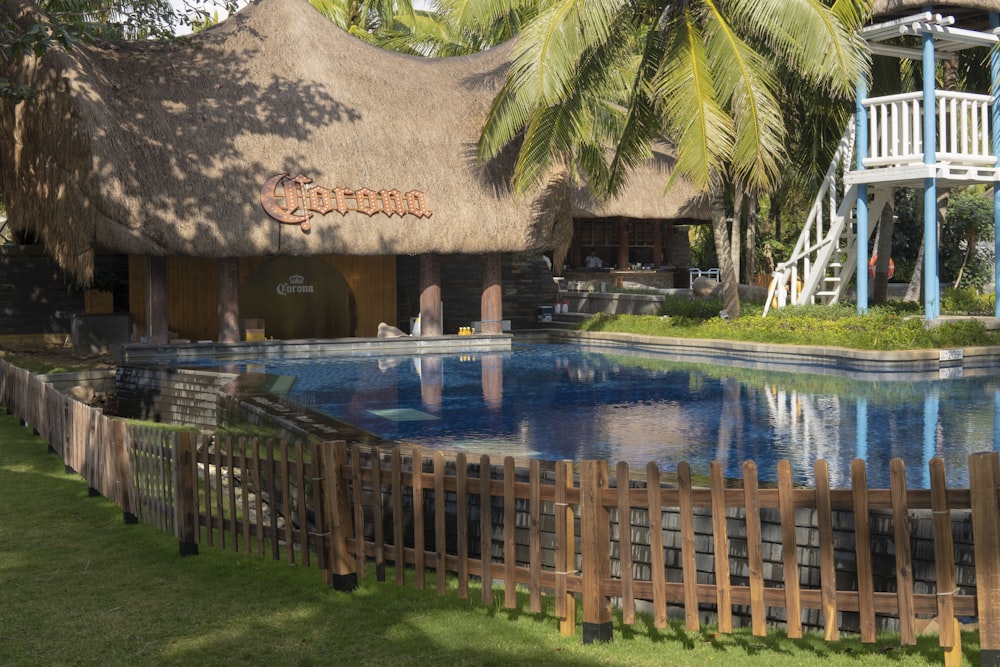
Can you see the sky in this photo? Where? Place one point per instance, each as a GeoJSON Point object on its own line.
{"type": "Point", "coordinates": [179, 5]}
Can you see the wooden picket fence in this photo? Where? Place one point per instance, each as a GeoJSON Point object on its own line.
{"type": "Point", "coordinates": [343, 509]}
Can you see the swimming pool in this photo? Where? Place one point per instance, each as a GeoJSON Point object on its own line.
{"type": "Point", "coordinates": [555, 402]}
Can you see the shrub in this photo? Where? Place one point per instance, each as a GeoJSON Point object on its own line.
{"type": "Point", "coordinates": [690, 308]}
{"type": "Point", "coordinates": [967, 301]}
{"type": "Point", "coordinates": [883, 328]}
{"type": "Point", "coordinates": [961, 333]}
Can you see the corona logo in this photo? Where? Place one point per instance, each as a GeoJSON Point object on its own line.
{"type": "Point", "coordinates": [296, 284]}
{"type": "Point", "coordinates": [292, 201]}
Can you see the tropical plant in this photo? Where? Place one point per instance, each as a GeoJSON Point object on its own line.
{"type": "Point", "coordinates": [594, 75]}
{"type": "Point", "coordinates": [70, 21]}
{"type": "Point", "coordinates": [449, 28]}
{"type": "Point", "coordinates": [965, 261]}
{"type": "Point", "coordinates": [365, 18]}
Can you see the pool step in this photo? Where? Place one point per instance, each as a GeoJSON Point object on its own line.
{"type": "Point", "coordinates": [565, 320]}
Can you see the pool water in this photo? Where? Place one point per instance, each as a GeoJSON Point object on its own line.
{"type": "Point", "coordinates": [562, 402]}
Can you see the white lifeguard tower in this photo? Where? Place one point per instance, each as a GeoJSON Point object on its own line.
{"type": "Point", "coordinates": [927, 139]}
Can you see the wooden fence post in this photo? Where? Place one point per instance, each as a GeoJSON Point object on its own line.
{"type": "Point", "coordinates": [186, 494]}
{"type": "Point", "coordinates": [126, 487]}
{"type": "Point", "coordinates": [565, 549]}
{"type": "Point", "coordinates": [950, 637]}
{"type": "Point", "coordinates": [595, 534]}
{"type": "Point", "coordinates": [984, 475]}
{"type": "Point", "coordinates": [341, 575]}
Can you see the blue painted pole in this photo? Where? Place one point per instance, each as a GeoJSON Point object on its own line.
{"type": "Point", "coordinates": [932, 408]}
{"type": "Point", "coordinates": [932, 287]}
{"type": "Point", "coordinates": [995, 113]}
{"type": "Point", "coordinates": [861, 429]}
{"type": "Point", "coordinates": [861, 211]}
{"type": "Point", "coordinates": [996, 421]}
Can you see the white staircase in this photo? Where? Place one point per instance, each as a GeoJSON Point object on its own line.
{"type": "Point", "coordinates": [820, 268]}
{"type": "Point", "coordinates": [822, 264]}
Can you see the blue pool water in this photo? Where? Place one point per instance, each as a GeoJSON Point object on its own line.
{"type": "Point", "coordinates": [560, 402]}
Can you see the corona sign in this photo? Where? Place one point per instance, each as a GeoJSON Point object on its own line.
{"type": "Point", "coordinates": [292, 201]}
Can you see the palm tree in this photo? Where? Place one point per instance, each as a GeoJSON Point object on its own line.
{"type": "Point", "coordinates": [449, 28]}
{"type": "Point", "coordinates": [590, 75]}
{"type": "Point", "coordinates": [366, 18]}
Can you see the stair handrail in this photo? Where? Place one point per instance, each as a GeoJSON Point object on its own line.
{"type": "Point", "coordinates": [803, 249]}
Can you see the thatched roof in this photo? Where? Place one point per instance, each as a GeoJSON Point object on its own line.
{"type": "Point", "coordinates": [162, 149]}
{"type": "Point", "coordinates": [883, 9]}
{"type": "Point", "coordinates": [645, 197]}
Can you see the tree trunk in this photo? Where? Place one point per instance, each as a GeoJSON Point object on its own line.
{"type": "Point", "coordinates": [970, 248]}
{"type": "Point", "coordinates": [915, 291]}
{"type": "Point", "coordinates": [883, 250]}
{"type": "Point", "coordinates": [735, 234]}
{"type": "Point", "coordinates": [723, 249]}
{"type": "Point", "coordinates": [750, 245]}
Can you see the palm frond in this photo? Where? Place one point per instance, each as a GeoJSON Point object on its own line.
{"type": "Point", "coordinates": [747, 87]}
{"type": "Point", "coordinates": [644, 119]}
{"type": "Point", "coordinates": [549, 49]}
{"type": "Point", "coordinates": [701, 129]}
{"type": "Point", "coordinates": [507, 118]}
{"type": "Point", "coordinates": [817, 44]}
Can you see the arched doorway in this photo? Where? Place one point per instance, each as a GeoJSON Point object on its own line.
{"type": "Point", "coordinates": [299, 297]}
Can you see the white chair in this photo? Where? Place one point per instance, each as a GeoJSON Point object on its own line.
{"type": "Point", "coordinates": [712, 274]}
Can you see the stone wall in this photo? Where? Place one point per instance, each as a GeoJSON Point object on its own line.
{"type": "Point", "coordinates": [174, 396]}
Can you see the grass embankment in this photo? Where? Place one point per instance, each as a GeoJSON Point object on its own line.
{"type": "Point", "coordinates": [884, 328]}
{"type": "Point", "coordinates": [77, 586]}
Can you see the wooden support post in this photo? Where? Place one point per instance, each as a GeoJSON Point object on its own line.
{"type": "Point", "coordinates": [340, 574]}
{"type": "Point", "coordinates": [789, 550]}
{"type": "Point", "coordinates": [565, 550]}
{"type": "Point", "coordinates": [430, 295]}
{"type": "Point", "coordinates": [186, 496]}
{"type": "Point", "coordinates": [491, 306]}
{"type": "Point", "coordinates": [509, 535]}
{"type": "Point", "coordinates": [827, 562]}
{"type": "Point", "coordinates": [904, 559]}
{"type": "Point", "coordinates": [125, 482]}
{"type": "Point", "coordinates": [984, 476]}
{"type": "Point", "coordinates": [486, 527]}
{"type": "Point", "coordinates": [595, 533]}
{"type": "Point", "coordinates": [949, 635]}
{"type": "Point", "coordinates": [720, 553]}
{"type": "Point", "coordinates": [863, 551]}
{"type": "Point", "coordinates": [229, 300]}
{"type": "Point", "coordinates": [688, 556]}
{"type": "Point", "coordinates": [157, 329]}
{"type": "Point", "coordinates": [755, 550]}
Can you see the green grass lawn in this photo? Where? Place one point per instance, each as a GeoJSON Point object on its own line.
{"type": "Point", "coordinates": [77, 586]}
{"type": "Point", "coordinates": [884, 328]}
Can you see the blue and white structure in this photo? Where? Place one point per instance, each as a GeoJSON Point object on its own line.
{"type": "Point", "coordinates": [927, 139]}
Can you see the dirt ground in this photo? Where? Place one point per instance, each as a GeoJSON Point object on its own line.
{"type": "Point", "coordinates": [41, 357]}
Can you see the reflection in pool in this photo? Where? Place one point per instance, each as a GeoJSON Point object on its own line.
{"type": "Point", "coordinates": [561, 402]}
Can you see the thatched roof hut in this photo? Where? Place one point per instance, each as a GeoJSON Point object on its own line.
{"type": "Point", "coordinates": [971, 13]}
{"type": "Point", "coordinates": [885, 7]}
{"type": "Point", "coordinates": [148, 148]}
